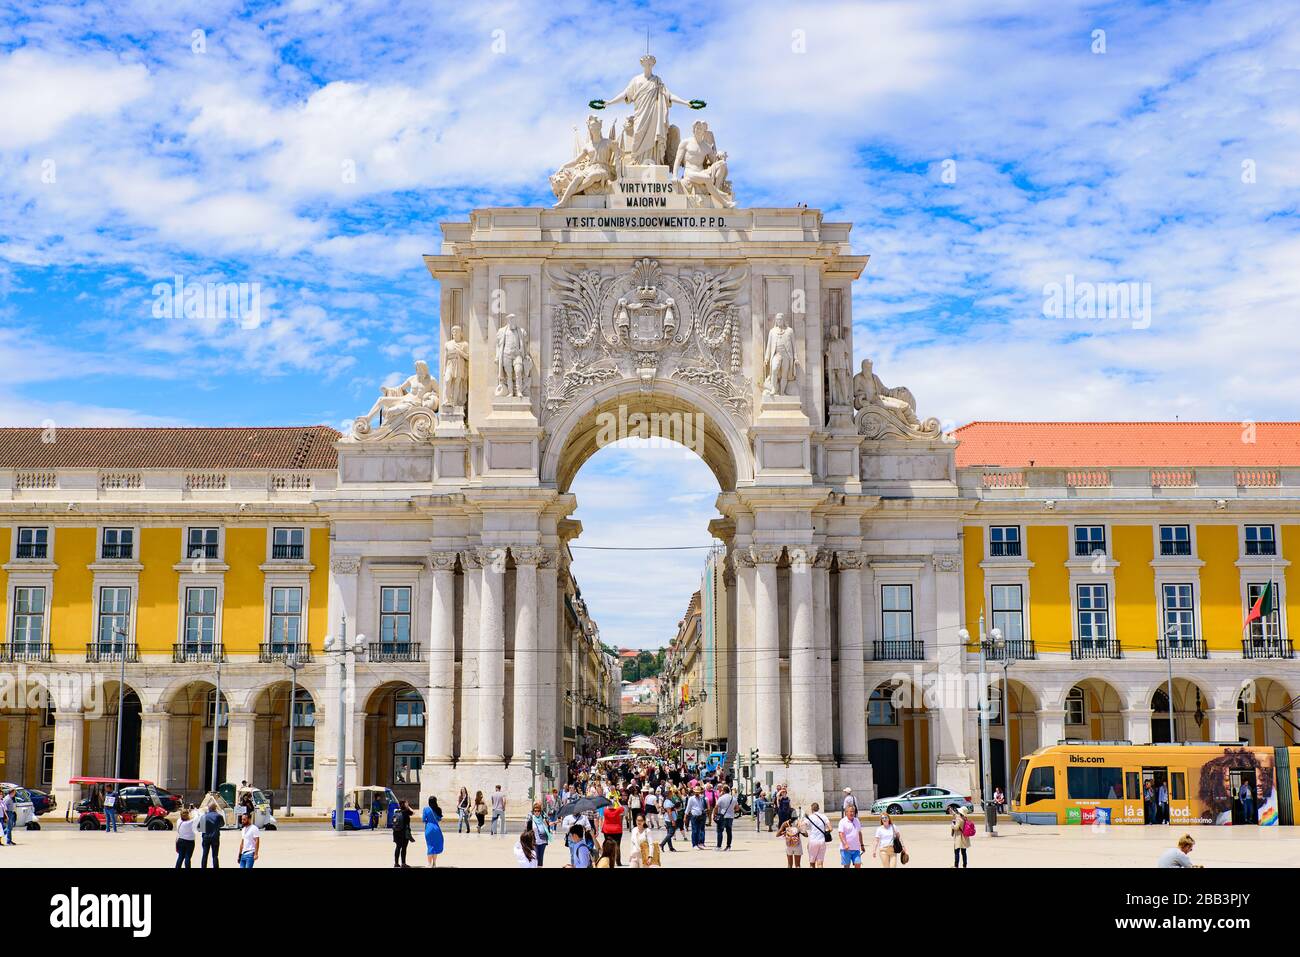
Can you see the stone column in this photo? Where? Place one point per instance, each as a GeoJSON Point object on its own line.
{"type": "Point", "coordinates": [441, 714]}
{"type": "Point", "coordinates": [527, 666]}
{"type": "Point", "coordinates": [492, 656]}
{"type": "Point", "coordinates": [240, 728]}
{"type": "Point", "coordinates": [746, 733]}
{"type": "Point", "coordinates": [853, 685]}
{"type": "Point", "coordinates": [1051, 727]}
{"type": "Point", "coordinates": [822, 642]}
{"type": "Point", "coordinates": [155, 730]}
{"type": "Point", "coordinates": [803, 658]}
{"type": "Point", "coordinates": [469, 653]}
{"type": "Point", "coordinates": [1223, 724]}
{"type": "Point", "coordinates": [69, 744]}
{"type": "Point", "coordinates": [952, 767]}
{"type": "Point", "coordinates": [1137, 725]}
{"type": "Point", "coordinates": [767, 652]}
{"type": "Point", "coordinates": [548, 660]}
{"type": "Point", "coordinates": [344, 574]}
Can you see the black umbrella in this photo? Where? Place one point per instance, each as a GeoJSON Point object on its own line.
{"type": "Point", "coordinates": [584, 805]}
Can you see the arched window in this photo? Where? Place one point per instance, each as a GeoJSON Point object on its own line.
{"type": "Point", "coordinates": [880, 708]}
{"type": "Point", "coordinates": [1076, 706]}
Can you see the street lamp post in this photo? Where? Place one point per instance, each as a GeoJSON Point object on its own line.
{"type": "Point", "coordinates": [340, 647]}
{"type": "Point", "coordinates": [986, 749]}
{"type": "Point", "coordinates": [1004, 648]}
{"type": "Point", "coordinates": [293, 662]}
{"type": "Point", "coordinates": [121, 697]}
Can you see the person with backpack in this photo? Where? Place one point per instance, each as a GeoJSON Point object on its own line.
{"type": "Point", "coordinates": [963, 829]}
{"type": "Point", "coordinates": [819, 834]}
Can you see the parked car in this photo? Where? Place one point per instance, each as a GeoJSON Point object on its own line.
{"type": "Point", "coordinates": [25, 813]}
{"type": "Point", "coordinates": [927, 799]}
{"type": "Point", "coordinates": [42, 801]}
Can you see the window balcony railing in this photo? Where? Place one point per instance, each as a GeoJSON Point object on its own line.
{"type": "Point", "coordinates": [195, 550]}
{"type": "Point", "coordinates": [1020, 649]}
{"type": "Point", "coordinates": [1181, 648]}
{"type": "Point", "coordinates": [1261, 548]}
{"type": "Point", "coordinates": [112, 651]}
{"type": "Point", "coordinates": [26, 651]}
{"type": "Point", "coordinates": [1004, 549]}
{"type": "Point", "coordinates": [1267, 648]}
{"type": "Point", "coordinates": [184, 651]}
{"type": "Point", "coordinates": [31, 550]}
{"type": "Point", "coordinates": [116, 551]}
{"type": "Point", "coordinates": [898, 649]}
{"type": "Point", "coordinates": [292, 552]}
{"type": "Point", "coordinates": [1175, 548]}
{"type": "Point", "coordinates": [283, 650]}
{"type": "Point", "coordinates": [1088, 549]}
{"type": "Point", "coordinates": [393, 651]}
{"type": "Point", "coordinates": [1101, 648]}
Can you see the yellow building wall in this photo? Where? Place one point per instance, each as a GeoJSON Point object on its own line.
{"type": "Point", "coordinates": [1221, 614]}
{"type": "Point", "coordinates": [5, 535]}
{"type": "Point", "coordinates": [972, 555]}
{"type": "Point", "coordinates": [318, 600]}
{"type": "Point", "coordinates": [242, 619]}
{"type": "Point", "coordinates": [1290, 546]}
{"type": "Point", "coordinates": [1048, 547]}
{"type": "Point", "coordinates": [71, 614]}
{"type": "Point", "coordinates": [157, 615]}
{"type": "Point", "coordinates": [1133, 548]}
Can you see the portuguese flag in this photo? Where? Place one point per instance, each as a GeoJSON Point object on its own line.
{"type": "Point", "coordinates": [1262, 608]}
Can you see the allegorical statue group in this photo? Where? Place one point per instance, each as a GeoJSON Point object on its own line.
{"type": "Point", "coordinates": [696, 166]}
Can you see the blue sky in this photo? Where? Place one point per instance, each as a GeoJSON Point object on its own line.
{"type": "Point", "coordinates": [981, 150]}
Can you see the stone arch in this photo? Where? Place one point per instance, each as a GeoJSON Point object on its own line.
{"type": "Point", "coordinates": [575, 434]}
{"type": "Point", "coordinates": [1271, 717]}
{"type": "Point", "coordinates": [190, 733]}
{"type": "Point", "coordinates": [1103, 709]}
{"type": "Point", "coordinates": [25, 731]}
{"type": "Point", "coordinates": [271, 759]}
{"type": "Point", "coordinates": [1022, 717]}
{"type": "Point", "coordinates": [390, 725]}
{"type": "Point", "coordinates": [102, 716]}
{"type": "Point", "coordinates": [1191, 699]}
{"type": "Point", "coordinates": [900, 750]}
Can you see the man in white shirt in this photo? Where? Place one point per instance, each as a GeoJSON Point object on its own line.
{"type": "Point", "coordinates": [1178, 856]}
{"type": "Point", "coordinates": [850, 830]}
{"type": "Point", "coordinates": [849, 801]}
{"type": "Point", "coordinates": [250, 843]}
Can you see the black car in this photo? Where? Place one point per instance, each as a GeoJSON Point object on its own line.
{"type": "Point", "coordinates": [42, 802]}
{"type": "Point", "coordinates": [134, 798]}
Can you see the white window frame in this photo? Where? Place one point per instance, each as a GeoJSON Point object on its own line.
{"type": "Point", "coordinates": [1078, 612]}
{"type": "Point", "coordinates": [409, 615]}
{"type": "Point", "coordinates": [1279, 608]}
{"type": "Point", "coordinates": [1105, 539]}
{"type": "Point", "coordinates": [288, 526]}
{"type": "Point", "coordinates": [298, 773]}
{"type": "Point", "coordinates": [396, 752]}
{"type": "Point", "coordinates": [186, 557]}
{"type": "Point", "coordinates": [1194, 587]}
{"type": "Point", "coordinates": [271, 586]}
{"type": "Point", "coordinates": [1021, 538]}
{"type": "Point", "coordinates": [47, 762]}
{"type": "Point", "coordinates": [910, 612]}
{"type": "Point", "coordinates": [130, 586]}
{"type": "Point", "coordinates": [1191, 540]}
{"type": "Point", "coordinates": [1082, 700]}
{"type": "Point", "coordinates": [182, 638]}
{"type": "Point", "coordinates": [101, 534]}
{"type": "Point", "coordinates": [11, 625]}
{"type": "Point", "coordinates": [994, 611]}
{"type": "Point", "coordinates": [49, 543]}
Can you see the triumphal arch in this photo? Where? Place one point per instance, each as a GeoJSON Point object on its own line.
{"type": "Point", "coordinates": [649, 292]}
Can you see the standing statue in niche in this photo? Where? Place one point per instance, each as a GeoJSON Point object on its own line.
{"type": "Point", "coordinates": [838, 363]}
{"type": "Point", "coordinates": [778, 358]}
{"type": "Point", "coordinates": [650, 101]}
{"type": "Point", "coordinates": [455, 370]}
{"type": "Point", "coordinates": [513, 361]}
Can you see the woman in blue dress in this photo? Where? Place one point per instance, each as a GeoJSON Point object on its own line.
{"type": "Point", "coordinates": [433, 831]}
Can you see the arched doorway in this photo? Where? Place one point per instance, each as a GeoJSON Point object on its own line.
{"type": "Point", "coordinates": [1015, 724]}
{"type": "Point", "coordinates": [279, 764]}
{"type": "Point", "coordinates": [1190, 713]}
{"type": "Point", "coordinates": [394, 739]}
{"type": "Point", "coordinates": [195, 713]}
{"type": "Point", "coordinates": [1266, 714]}
{"type": "Point", "coordinates": [898, 738]}
{"type": "Point", "coordinates": [101, 734]}
{"type": "Point", "coordinates": [27, 736]}
{"type": "Point", "coordinates": [1094, 711]}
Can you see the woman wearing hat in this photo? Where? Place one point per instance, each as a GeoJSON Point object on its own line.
{"type": "Point", "coordinates": [960, 837]}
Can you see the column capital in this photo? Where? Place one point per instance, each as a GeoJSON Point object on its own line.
{"type": "Point", "coordinates": [345, 564]}
{"type": "Point", "coordinates": [765, 554]}
{"type": "Point", "coordinates": [946, 561]}
{"type": "Point", "coordinates": [492, 557]}
{"type": "Point", "coordinates": [741, 558]}
{"type": "Point", "coordinates": [823, 558]}
{"type": "Point", "coordinates": [852, 560]}
{"type": "Point", "coordinates": [529, 554]}
{"type": "Point", "coordinates": [442, 561]}
{"type": "Point", "coordinates": [802, 557]}
{"type": "Point", "coordinates": [469, 558]}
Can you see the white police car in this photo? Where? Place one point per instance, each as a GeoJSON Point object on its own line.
{"type": "Point", "coordinates": [927, 799]}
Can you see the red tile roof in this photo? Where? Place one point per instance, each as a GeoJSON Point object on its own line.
{"type": "Point", "coordinates": [1127, 444]}
{"type": "Point", "coordinates": [291, 447]}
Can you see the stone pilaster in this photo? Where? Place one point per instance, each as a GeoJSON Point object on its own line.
{"type": "Point", "coordinates": [441, 698]}
{"type": "Point", "coordinates": [803, 658]}
{"type": "Point", "coordinates": [853, 685]}
{"type": "Point", "coordinates": [492, 655]}
{"type": "Point", "coordinates": [767, 653]}
{"type": "Point", "coordinates": [527, 683]}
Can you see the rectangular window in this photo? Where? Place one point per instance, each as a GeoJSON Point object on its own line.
{"type": "Point", "coordinates": [1089, 539]}
{"type": "Point", "coordinates": [29, 619]}
{"type": "Point", "coordinates": [1004, 541]}
{"type": "Point", "coordinates": [304, 762]}
{"type": "Point", "coordinates": [304, 710]}
{"type": "Point", "coordinates": [1179, 616]}
{"type": "Point", "coordinates": [202, 543]}
{"type": "Point", "coordinates": [408, 756]}
{"type": "Point", "coordinates": [33, 543]}
{"type": "Point", "coordinates": [1175, 540]}
{"type": "Point", "coordinates": [1260, 540]}
{"type": "Point", "coordinates": [286, 620]}
{"type": "Point", "coordinates": [896, 612]}
{"type": "Point", "coordinates": [1095, 784]}
{"type": "Point", "coordinates": [395, 619]}
{"type": "Point", "coordinates": [408, 710]}
{"type": "Point", "coordinates": [1094, 614]}
{"type": "Point", "coordinates": [211, 710]}
{"type": "Point", "coordinates": [200, 620]}
{"type": "Point", "coordinates": [1008, 611]}
{"type": "Point", "coordinates": [118, 543]}
{"type": "Point", "coordinates": [1076, 707]}
{"type": "Point", "coordinates": [47, 763]}
{"type": "Point", "coordinates": [880, 708]}
{"type": "Point", "coordinates": [288, 543]}
{"type": "Point", "coordinates": [114, 618]}
{"type": "Point", "coordinates": [1269, 627]}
